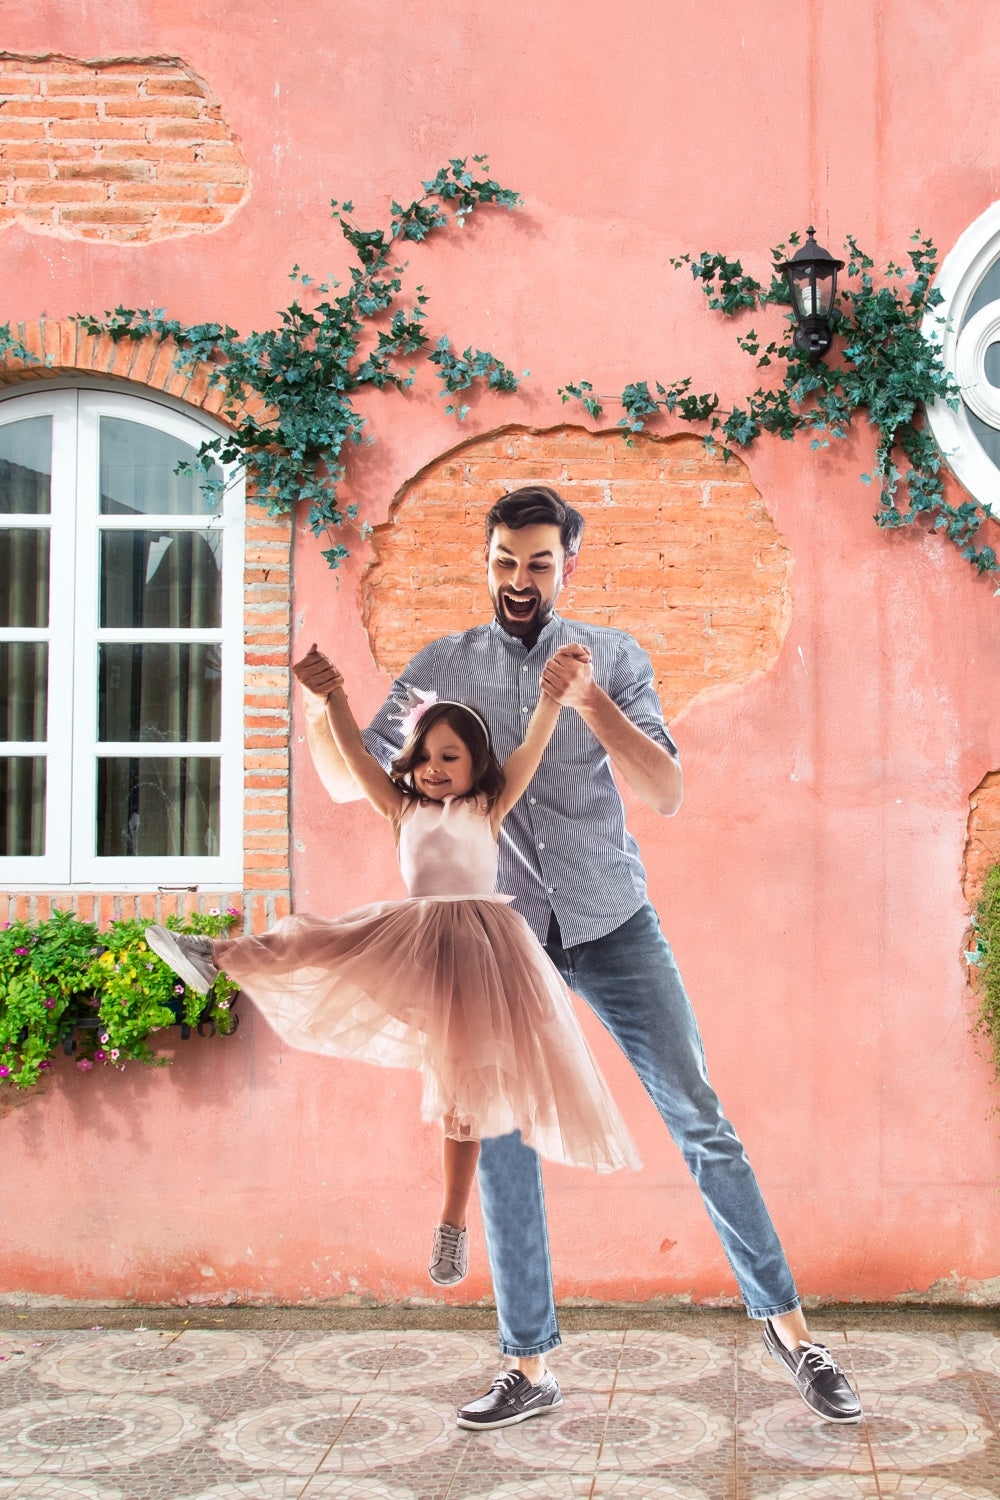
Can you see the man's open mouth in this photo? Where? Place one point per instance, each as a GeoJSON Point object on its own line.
{"type": "Point", "coordinates": [520, 606]}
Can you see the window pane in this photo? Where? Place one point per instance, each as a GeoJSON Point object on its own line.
{"type": "Point", "coordinates": [161, 579]}
{"type": "Point", "coordinates": [24, 579]}
{"type": "Point", "coordinates": [23, 687]}
{"type": "Point", "coordinates": [22, 805]}
{"type": "Point", "coordinates": [26, 467]}
{"type": "Point", "coordinates": [137, 472]}
{"type": "Point", "coordinates": [159, 692]}
{"type": "Point", "coordinates": [157, 807]}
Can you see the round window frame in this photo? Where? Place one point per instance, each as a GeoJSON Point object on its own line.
{"type": "Point", "coordinates": [964, 351]}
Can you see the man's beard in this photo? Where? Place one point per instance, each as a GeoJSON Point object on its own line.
{"type": "Point", "coordinates": [530, 624]}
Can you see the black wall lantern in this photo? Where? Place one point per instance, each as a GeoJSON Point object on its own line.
{"type": "Point", "coordinates": [812, 282]}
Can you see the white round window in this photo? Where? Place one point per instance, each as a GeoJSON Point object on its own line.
{"type": "Point", "coordinates": [967, 326]}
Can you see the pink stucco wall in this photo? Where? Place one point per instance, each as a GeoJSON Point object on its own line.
{"type": "Point", "coordinates": [811, 884]}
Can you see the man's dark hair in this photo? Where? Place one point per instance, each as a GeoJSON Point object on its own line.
{"type": "Point", "coordinates": [537, 505]}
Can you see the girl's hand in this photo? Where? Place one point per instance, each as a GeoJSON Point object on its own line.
{"type": "Point", "coordinates": [317, 674]}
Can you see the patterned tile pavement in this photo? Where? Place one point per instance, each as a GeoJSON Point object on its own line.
{"type": "Point", "coordinates": [685, 1406]}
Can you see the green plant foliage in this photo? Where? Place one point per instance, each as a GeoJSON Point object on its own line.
{"type": "Point", "coordinates": [334, 342]}
{"type": "Point", "coordinates": [60, 978]}
{"type": "Point", "coordinates": [885, 369]}
{"type": "Point", "coordinates": [11, 344]}
{"type": "Point", "coordinates": [985, 957]}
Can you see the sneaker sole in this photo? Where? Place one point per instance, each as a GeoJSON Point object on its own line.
{"type": "Point", "coordinates": [521, 1416]}
{"type": "Point", "coordinates": [161, 940]}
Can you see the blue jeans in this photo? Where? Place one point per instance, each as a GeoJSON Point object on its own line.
{"type": "Point", "coordinates": [631, 981]}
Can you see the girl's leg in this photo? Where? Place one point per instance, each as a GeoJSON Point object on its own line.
{"type": "Point", "coordinates": [459, 1159]}
{"type": "Point", "coordinates": [450, 1251]}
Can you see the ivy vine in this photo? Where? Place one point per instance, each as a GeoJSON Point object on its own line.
{"type": "Point", "coordinates": [330, 344]}
{"type": "Point", "coordinates": [290, 391]}
{"type": "Point", "coordinates": [985, 958]}
{"type": "Point", "coordinates": [886, 368]}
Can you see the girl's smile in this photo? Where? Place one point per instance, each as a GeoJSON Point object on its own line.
{"type": "Point", "coordinates": [444, 768]}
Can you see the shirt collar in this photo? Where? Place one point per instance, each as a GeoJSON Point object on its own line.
{"type": "Point", "coordinates": [512, 641]}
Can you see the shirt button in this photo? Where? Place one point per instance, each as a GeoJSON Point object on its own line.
{"type": "Point", "coordinates": [532, 800]}
{"type": "Point", "coordinates": [524, 669]}
{"type": "Point", "coordinates": [524, 710]}
{"type": "Point", "coordinates": [541, 846]}
{"type": "Point", "coordinates": [551, 889]}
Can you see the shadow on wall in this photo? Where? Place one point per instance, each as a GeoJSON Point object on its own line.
{"type": "Point", "coordinates": [679, 550]}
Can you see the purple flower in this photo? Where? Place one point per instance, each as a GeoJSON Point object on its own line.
{"type": "Point", "coordinates": [4, 1072]}
{"type": "Point", "coordinates": [46, 1062]}
{"type": "Point", "coordinates": [85, 1064]}
{"type": "Point", "coordinates": [49, 1004]}
{"type": "Point", "coordinates": [21, 951]}
{"type": "Point", "coordinates": [100, 1055]}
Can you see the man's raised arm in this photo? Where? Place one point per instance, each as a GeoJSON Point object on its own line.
{"type": "Point", "coordinates": [650, 769]}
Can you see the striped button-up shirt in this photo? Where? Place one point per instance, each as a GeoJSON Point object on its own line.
{"type": "Point", "coordinates": [564, 848]}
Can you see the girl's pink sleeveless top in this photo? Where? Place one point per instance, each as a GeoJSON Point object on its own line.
{"type": "Point", "coordinates": [447, 849]}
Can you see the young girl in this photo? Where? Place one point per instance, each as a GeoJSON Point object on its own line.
{"type": "Point", "coordinates": [451, 981]}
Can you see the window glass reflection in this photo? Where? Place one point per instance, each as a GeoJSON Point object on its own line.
{"type": "Point", "coordinates": [137, 472]}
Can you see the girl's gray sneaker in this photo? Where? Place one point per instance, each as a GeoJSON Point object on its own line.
{"type": "Point", "coordinates": [189, 956]}
{"type": "Point", "coordinates": [449, 1255]}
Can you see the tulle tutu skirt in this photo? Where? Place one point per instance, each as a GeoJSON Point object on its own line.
{"type": "Point", "coordinates": [459, 988]}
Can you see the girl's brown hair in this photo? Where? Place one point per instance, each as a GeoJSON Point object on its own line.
{"type": "Point", "coordinates": [487, 773]}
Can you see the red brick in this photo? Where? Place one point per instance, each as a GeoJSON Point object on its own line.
{"type": "Point", "coordinates": [49, 109]}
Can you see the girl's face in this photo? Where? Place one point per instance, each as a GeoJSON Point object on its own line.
{"type": "Point", "coordinates": [444, 765]}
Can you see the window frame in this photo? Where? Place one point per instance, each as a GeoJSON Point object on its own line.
{"type": "Point", "coordinates": [76, 523]}
{"type": "Point", "coordinates": [975, 252]}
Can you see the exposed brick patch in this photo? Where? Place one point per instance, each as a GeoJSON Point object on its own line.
{"type": "Point", "coordinates": [125, 150]}
{"type": "Point", "coordinates": [982, 844]}
{"type": "Point", "coordinates": [266, 676]}
{"type": "Point", "coordinates": [679, 550]}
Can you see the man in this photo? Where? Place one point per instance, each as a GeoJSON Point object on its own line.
{"type": "Point", "coordinates": [575, 874]}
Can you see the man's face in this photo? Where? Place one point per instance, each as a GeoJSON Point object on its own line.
{"type": "Point", "coordinates": [526, 570]}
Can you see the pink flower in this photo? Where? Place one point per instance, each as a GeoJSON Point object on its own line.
{"type": "Point", "coordinates": [213, 911]}
{"type": "Point", "coordinates": [178, 989]}
{"type": "Point", "coordinates": [49, 1004]}
{"type": "Point", "coordinates": [46, 1062]}
{"type": "Point", "coordinates": [114, 1054]}
{"type": "Point", "coordinates": [85, 1064]}
{"type": "Point", "coordinates": [20, 951]}
{"type": "Point", "coordinates": [232, 911]}
{"type": "Point", "coordinates": [105, 1037]}
{"type": "Point", "coordinates": [4, 1072]}
{"type": "Point", "coordinates": [100, 1055]}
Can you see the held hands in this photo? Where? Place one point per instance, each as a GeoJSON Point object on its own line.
{"type": "Point", "coordinates": [318, 676]}
{"type": "Point", "coordinates": [567, 677]}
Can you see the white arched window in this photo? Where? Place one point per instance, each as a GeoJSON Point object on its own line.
{"type": "Point", "coordinates": [967, 326]}
{"type": "Point", "coordinates": [121, 647]}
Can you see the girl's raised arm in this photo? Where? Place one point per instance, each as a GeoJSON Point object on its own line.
{"type": "Point", "coordinates": [520, 766]}
{"type": "Point", "coordinates": [380, 790]}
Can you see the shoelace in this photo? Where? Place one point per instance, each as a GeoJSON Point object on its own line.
{"type": "Point", "coordinates": [448, 1239]}
{"type": "Point", "coordinates": [506, 1380]}
{"type": "Point", "coordinates": [817, 1357]}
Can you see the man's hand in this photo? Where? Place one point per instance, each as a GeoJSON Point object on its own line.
{"type": "Point", "coordinates": [567, 676]}
{"type": "Point", "coordinates": [317, 674]}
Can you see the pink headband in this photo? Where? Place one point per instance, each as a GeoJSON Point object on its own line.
{"type": "Point", "coordinates": [420, 702]}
